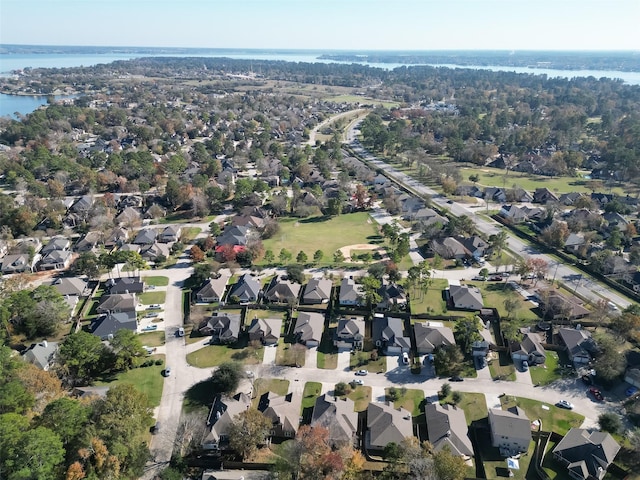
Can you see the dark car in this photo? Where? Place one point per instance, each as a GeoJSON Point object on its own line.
{"type": "Point", "coordinates": [495, 278]}
{"type": "Point", "coordinates": [597, 394]}
{"type": "Point", "coordinates": [456, 378]}
{"type": "Point", "coordinates": [156, 428]}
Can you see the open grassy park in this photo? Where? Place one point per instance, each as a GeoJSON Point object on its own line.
{"type": "Point", "coordinates": [327, 234]}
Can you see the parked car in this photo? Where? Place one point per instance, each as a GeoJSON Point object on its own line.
{"type": "Point", "coordinates": [478, 278]}
{"type": "Point", "coordinates": [361, 373]}
{"type": "Point", "coordinates": [180, 332]}
{"type": "Point", "coordinates": [156, 428]}
{"type": "Point", "coordinates": [565, 404]}
{"type": "Point", "coordinates": [525, 365]}
{"type": "Point", "coordinates": [154, 306]}
{"type": "Point", "coordinates": [358, 381]}
{"type": "Point", "coordinates": [456, 378]}
{"type": "Point", "coordinates": [151, 287]}
{"type": "Point", "coordinates": [597, 394]}
{"type": "Point", "coordinates": [495, 278]}
{"type": "Point", "coordinates": [631, 391]}
{"type": "Point", "coordinates": [151, 315]}
{"type": "Point", "coordinates": [150, 328]}
{"type": "Point", "coordinates": [167, 372]}
{"type": "Point", "coordinates": [405, 358]}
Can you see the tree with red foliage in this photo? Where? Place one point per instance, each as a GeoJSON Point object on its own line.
{"type": "Point", "coordinates": [197, 255]}
{"type": "Point", "coordinates": [228, 253]}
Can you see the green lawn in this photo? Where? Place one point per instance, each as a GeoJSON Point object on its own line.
{"type": "Point", "coordinates": [548, 372]}
{"type": "Point", "coordinates": [152, 339]}
{"type": "Point", "coordinates": [323, 233]}
{"type": "Point", "coordinates": [554, 419]}
{"type": "Point", "coordinates": [503, 366]}
{"type": "Point", "coordinates": [474, 406]}
{"type": "Point", "coordinates": [432, 301]}
{"type": "Point", "coordinates": [189, 233]}
{"type": "Point", "coordinates": [289, 354]}
{"type": "Point", "coordinates": [327, 352]}
{"type": "Point", "coordinates": [495, 177]}
{"type": "Point", "coordinates": [148, 298]}
{"type": "Point", "coordinates": [212, 355]}
{"type": "Point", "coordinates": [362, 360]}
{"type": "Point", "coordinates": [361, 397]}
{"type": "Point", "coordinates": [147, 380]}
{"type": "Point", "coordinates": [264, 385]}
{"type": "Point", "coordinates": [409, 399]}
{"type": "Point", "coordinates": [495, 465]}
{"type": "Point", "coordinates": [157, 281]}
{"type": "Point", "coordinates": [494, 295]}
{"type": "Point", "coordinates": [310, 393]}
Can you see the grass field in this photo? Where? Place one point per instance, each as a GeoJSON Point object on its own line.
{"type": "Point", "coordinates": [360, 99]}
{"type": "Point", "coordinates": [147, 380]}
{"type": "Point", "coordinates": [362, 360]}
{"type": "Point", "coordinates": [148, 298]}
{"type": "Point", "coordinates": [189, 233]}
{"type": "Point", "coordinates": [494, 295]}
{"type": "Point", "coordinates": [547, 373]}
{"type": "Point", "coordinates": [263, 385]}
{"type": "Point", "coordinates": [212, 355]}
{"type": "Point", "coordinates": [323, 233]}
{"type": "Point", "coordinates": [310, 393]}
{"type": "Point", "coordinates": [432, 302]}
{"type": "Point", "coordinates": [361, 397]}
{"type": "Point", "coordinates": [157, 281]}
{"type": "Point", "coordinates": [554, 419]}
{"type": "Point", "coordinates": [474, 406]}
{"type": "Point", "coordinates": [289, 354]}
{"type": "Point", "coordinates": [495, 177]}
{"type": "Point", "coordinates": [503, 367]}
{"type": "Point", "coordinates": [409, 399]}
{"type": "Point", "coordinates": [152, 339]}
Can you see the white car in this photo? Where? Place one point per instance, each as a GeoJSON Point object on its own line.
{"type": "Point", "coordinates": [358, 381]}
{"type": "Point", "coordinates": [565, 404]}
{"type": "Point", "coordinates": [361, 373]}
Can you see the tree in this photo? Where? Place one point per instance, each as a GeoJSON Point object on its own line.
{"type": "Point", "coordinates": [447, 360]}
{"type": "Point", "coordinates": [625, 324]}
{"type": "Point", "coordinates": [269, 257]}
{"type": "Point", "coordinates": [338, 256]}
{"type": "Point", "coordinates": [456, 397]}
{"type": "Point", "coordinates": [81, 354]}
{"type": "Point", "coordinates": [610, 362]}
{"type": "Point", "coordinates": [511, 304]}
{"type": "Point", "coordinates": [317, 256]}
{"type": "Point", "coordinates": [371, 286]}
{"type": "Point", "coordinates": [214, 229]}
{"type": "Point", "coordinates": [449, 466]}
{"type": "Point", "coordinates": [377, 270]}
{"type": "Point", "coordinates": [87, 264]}
{"type": "Point", "coordinates": [44, 386]}
{"type": "Point", "coordinates": [128, 350]}
{"type": "Point", "coordinates": [196, 254]}
{"type": "Point", "coordinates": [466, 332]}
{"type": "Point", "coordinates": [12, 427]}
{"type": "Point", "coordinates": [301, 257]}
{"type": "Point", "coordinates": [445, 390]}
{"type": "Point", "coordinates": [227, 377]}
{"type": "Point", "coordinates": [610, 422]}
{"type": "Point", "coordinates": [39, 452]}
{"type": "Point", "coordinates": [67, 417]}
{"type": "Point", "coordinates": [498, 242]}
{"type": "Point", "coordinates": [484, 273]}
{"type": "Point", "coordinates": [285, 256]}
{"type": "Point", "coordinates": [295, 273]}
{"type": "Point", "coordinates": [249, 430]}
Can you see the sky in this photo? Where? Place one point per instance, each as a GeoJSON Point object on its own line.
{"type": "Point", "coordinates": [327, 24]}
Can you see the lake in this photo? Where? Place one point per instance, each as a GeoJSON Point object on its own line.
{"type": "Point", "coordinates": [9, 104]}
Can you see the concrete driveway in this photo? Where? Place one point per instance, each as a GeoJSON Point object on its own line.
{"type": "Point", "coordinates": [311, 357]}
{"type": "Point", "coordinates": [269, 356]}
{"type": "Point", "coordinates": [344, 361]}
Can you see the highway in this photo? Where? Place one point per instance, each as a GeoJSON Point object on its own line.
{"type": "Point", "coordinates": [582, 284]}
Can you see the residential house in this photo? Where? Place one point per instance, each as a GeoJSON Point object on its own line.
{"type": "Point", "coordinates": [558, 306]}
{"type": "Point", "coordinates": [579, 344]}
{"type": "Point", "coordinates": [248, 221]}
{"type": "Point", "coordinates": [265, 330]}
{"type": "Point", "coordinates": [42, 354]}
{"type": "Point", "coordinates": [476, 246]}
{"type": "Point", "coordinates": [153, 252]}
{"type": "Point", "coordinates": [221, 418]}
{"type": "Point", "coordinates": [72, 286]}
{"type": "Point", "coordinates": [519, 195]}
{"type": "Point", "coordinates": [56, 244]}
{"type": "Point", "coordinates": [338, 416]}
{"type": "Point", "coordinates": [351, 293]}
{"type": "Point", "coordinates": [213, 289]}
{"type": "Point", "coordinates": [82, 205]}
{"type": "Point", "coordinates": [529, 349]}
{"type": "Point", "coordinates": [569, 199]}
{"type": "Point", "coordinates": [468, 191]}
{"type": "Point", "coordinates": [495, 194]}
{"type": "Point", "coordinates": [449, 248]}
{"type": "Point", "coordinates": [586, 453]}
{"type": "Point", "coordinates": [55, 260]}
{"type": "Point", "coordinates": [125, 285]}
{"type": "Point", "coordinates": [246, 290]}
{"type": "Point", "coordinates": [615, 220]}
{"type": "Point", "coordinates": [317, 291]}
{"type": "Point", "coordinates": [427, 217]}
{"type": "Point", "coordinates": [282, 291]}
{"type": "Point", "coordinates": [617, 265]}
{"type": "Point", "coordinates": [573, 242]}
{"type": "Point", "coordinates": [19, 263]}
{"type": "Point", "coordinates": [388, 334]}
{"type": "Point", "coordinates": [170, 234]}
{"type": "Point", "coordinates": [349, 334]}
{"type": "Point", "coordinates": [234, 235]}
{"type": "Point", "coordinates": [88, 243]}
{"type": "Point", "coordinates": [447, 428]}
{"type": "Point", "coordinates": [430, 335]}
{"type": "Point", "coordinates": [135, 201]}
{"type": "Point", "coordinates": [105, 326]}
{"type": "Point", "coordinates": [513, 213]}
{"type": "Point", "coordinates": [465, 297]}
{"type": "Point", "coordinates": [386, 425]}
{"type": "Point", "coordinates": [391, 295]}
{"type": "Point", "coordinates": [223, 327]}
{"type": "Point", "coordinates": [544, 195]}
{"type": "Point", "coordinates": [146, 236]}
{"type": "Point", "coordinates": [129, 217]}
{"type": "Point", "coordinates": [510, 430]}
{"type": "Point", "coordinates": [129, 247]}
{"type": "Point", "coordinates": [284, 415]}
{"type": "Point", "coordinates": [121, 302]}
{"type": "Point", "coordinates": [309, 328]}
{"type": "Point", "coordinates": [118, 236]}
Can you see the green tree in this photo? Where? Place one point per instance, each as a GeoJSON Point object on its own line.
{"type": "Point", "coordinates": [295, 273]}
{"type": "Point", "coordinates": [447, 360]}
{"type": "Point", "coordinates": [449, 466]}
{"type": "Point", "coordinates": [12, 427]}
{"type": "Point", "coordinates": [127, 348]}
{"type": "Point", "coordinates": [82, 356]}
{"type": "Point", "coordinates": [249, 430]}
{"type": "Point", "coordinates": [227, 377]}
{"type": "Point", "coordinates": [301, 257]}
{"type": "Point", "coordinates": [269, 257]}
{"type": "Point", "coordinates": [445, 390]}
{"type": "Point", "coordinates": [285, 256]}
{"type": "Point", "coordinates": [610, 422]}
{"type": "Point", "coordinates": [466, 332]}
{"type": "Point", "coordinates": [511, 305]}
{"type": "Point", "coordinates": [39, 454]}
{"type": "Point", "coordinates": [67, 417]}
{"type": "Point", "coordinates": [317, 256]}
{"type": "Point", "coordinates": [338, 256]}
{"type": "Point", "coordinates": [87, 264]}
{"type": "Point", "coordinates": [610, 362]}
